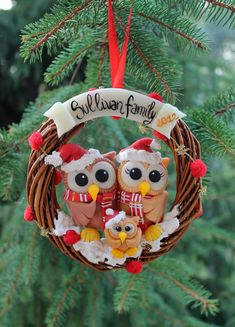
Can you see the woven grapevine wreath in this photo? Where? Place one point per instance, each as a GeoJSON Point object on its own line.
{"type": "Point", "coordinates": [51, 153]}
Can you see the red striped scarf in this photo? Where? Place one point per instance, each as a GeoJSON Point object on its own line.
{"type": "Point", "coordinates": [105, 199]}
{"type": "Point", "coordinates": [134, 201]}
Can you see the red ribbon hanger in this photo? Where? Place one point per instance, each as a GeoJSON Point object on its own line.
{"type": "Point", "coordinates": [117, 58]}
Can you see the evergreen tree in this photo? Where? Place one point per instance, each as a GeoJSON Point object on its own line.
{"type": "Point", "coordinates": [42, 287]}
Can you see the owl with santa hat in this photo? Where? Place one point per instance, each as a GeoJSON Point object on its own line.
{"type": "Point", "coordinates": [142, 180]}
{"type": "Point", "coordinates": [122, 233]}
{"type": "Point", "coordinates": [90, 185]}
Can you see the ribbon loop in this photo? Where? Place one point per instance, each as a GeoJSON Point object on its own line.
{"type": "Point", "coordinates": [117, 59]}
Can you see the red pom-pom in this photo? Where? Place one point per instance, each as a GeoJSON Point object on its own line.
{"type": "Point", "coordinates": [58, 177]}
{"type": "Point", "coordinates": [134, 267]}
{"type": "Point", "coordinates": [28, 214]}
{"type": "Point", "coordinates": [160, 136]}
{"type": "Point", "coordinates": [198, 168]}
{"type": "Point", "coordinates": [156, 96]}
{"type": "Point", "coordinates": [35, 140]}
{"type": "Point", "coordinates": [92, 89]}
{"type": "Point", "coordinates": [71, 237]}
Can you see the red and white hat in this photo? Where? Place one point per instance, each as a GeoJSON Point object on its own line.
{"type": "Point", "coordinates": [141, 150]}
{"type": "Point", "coordinates": [113, 217]}
{"type": "Point", "coordinates": [72, 157]}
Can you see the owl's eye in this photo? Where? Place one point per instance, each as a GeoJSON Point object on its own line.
{"type": "Point", "coordinates": [118, 228]}
{"type": "Point", "coordinates": [79, 181]}
{"type": "Point", "coordinates": [129, 228]}
{"type": "Point", "coordinates": [133, 173]}
{"type": "Point", "coordinates": [157, 176]}
{"type": "Point", "coordinates": [104, 175]}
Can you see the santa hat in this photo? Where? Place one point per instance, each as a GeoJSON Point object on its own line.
{"type": "Point", "coordinates": [141, 150]}
{"type": "Point", "coordinates": [113, 217]}
{"type": "Point", "coordinates": [72, 157]}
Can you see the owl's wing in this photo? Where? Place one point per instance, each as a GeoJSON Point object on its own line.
{"type": "Point", "coordinates": [135, 241]}
{"type": "Point", "coordinates": [154, 208]}
{"type": "Point", "coordinates": [81, 212]}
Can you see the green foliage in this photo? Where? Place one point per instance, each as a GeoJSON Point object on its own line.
{"type": "Point", "coordinates": [41, 286]}
{"type": "Point", "coordinates": [217, 12]}
{"type": "Point", "coordinates": [62, 66]}
{"type": "Point", "coordinates": [213, 133]}
{"type": "Point", "coordinates": [149, 56]}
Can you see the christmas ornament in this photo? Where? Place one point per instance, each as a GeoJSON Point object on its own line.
{"type": "Point", "coordinates": [125, 197]}
{"type": "Point", "coordinates": [122, 233]}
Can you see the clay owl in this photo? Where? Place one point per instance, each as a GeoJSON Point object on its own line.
{"type": "Point", "coordinates": [122, 233]}
{"type": "Point", "coordinates": [142, 179]}
{"type": "Point", "coordinates": [90, 186]}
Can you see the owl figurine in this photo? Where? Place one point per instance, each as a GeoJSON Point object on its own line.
{"type": "Point", "coordinates": [122, 233]}
{"type": "Point", "coordinates": [90, 186]}
{"type": "Point", "coordinates": [142, 180]}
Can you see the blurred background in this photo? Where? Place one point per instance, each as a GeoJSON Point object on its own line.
{"type": "Point", "coordinates": [209, 245]}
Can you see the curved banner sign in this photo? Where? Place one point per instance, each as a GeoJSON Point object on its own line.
{"type": "Point", "coordinates": [114, 102]}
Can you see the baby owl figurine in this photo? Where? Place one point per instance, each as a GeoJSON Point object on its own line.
{"type": "Point", "coordinates": [122, 233]}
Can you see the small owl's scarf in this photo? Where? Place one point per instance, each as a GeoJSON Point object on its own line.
{"type": "Point", "coordinates": [134, 201]}
{"type": "Point", "coordinates": [105, 199]}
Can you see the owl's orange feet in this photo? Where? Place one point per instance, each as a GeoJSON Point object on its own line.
{"type": "Point", "coordinates": [131, 251]}
{"type": "Point", "coordinates": [152, 233]}
{"type": "Point", "coordinates": [118, 254]}
{"type": "Point", "coordinates": [89, 235]}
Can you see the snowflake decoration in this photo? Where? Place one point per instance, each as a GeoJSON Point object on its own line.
{"type": "Point", "coordinates": [45, 232]}
{"type": "Point", "coordinates": [146, 246]}
{"type": "Point", "coordinates": [181, 150]}
{"type": "Point", "coordinates": [203, 191]}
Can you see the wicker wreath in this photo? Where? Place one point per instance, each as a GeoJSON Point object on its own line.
{"type": "Point", "coordinates": [41, 192]}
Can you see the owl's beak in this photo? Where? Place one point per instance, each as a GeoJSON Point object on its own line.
{"type": "Point", "coordinates": [93, 190]}
{"type": "Point", "coordinates": [144, 188]}
{"type": "Point", "coordinates": [122, 236]}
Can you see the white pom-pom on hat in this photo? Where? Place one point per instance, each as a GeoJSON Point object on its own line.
{"type": "Point", "coordinates": [109, 211]}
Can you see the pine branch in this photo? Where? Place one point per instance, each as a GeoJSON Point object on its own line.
{"type": "Point", "coordinates": [10, 290]}
{"type": "Point", "coordinates": [175, 30]}
{"type": "Point", "coordinates": [225, 109]}
{"type": "Point", "coordinates": [65, 298]}
{"type": "Point", "coordinates": [180, 278]}
{"type": "Point", "coordinates": [207, 305]}
{"type": "Point", "coordinates": [65, 61]}
{"type": "Point", "coordinates": [222, 5]}
{"type": "Point", "coordinates": [213, 133]}
{"type": "Point", "coordinates": [147, 62]}
{"type": "Point", "coordinates": [95, 303]}
{"type": "Point", "coordinates": [218, 12]}
{"type": "Point", "coordinates": [35, 35]}
{"type": "Point", "coordinates": [31, 266]}
{"type": "Point", "coordinates": [58, 26]}
{"type": "Point", "coordinates": [126, 293]}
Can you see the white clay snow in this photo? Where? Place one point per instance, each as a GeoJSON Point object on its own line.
{"type": "Point", "coordinates": [99, 251]}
